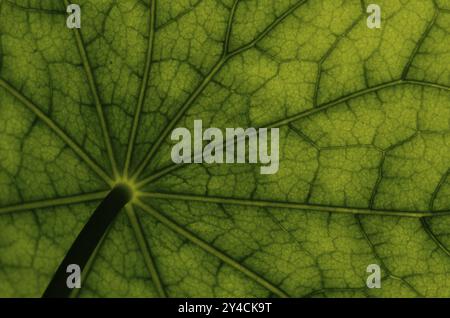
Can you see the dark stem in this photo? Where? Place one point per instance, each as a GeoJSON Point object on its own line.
{"type": "Point", "coordinates": [88, 239]}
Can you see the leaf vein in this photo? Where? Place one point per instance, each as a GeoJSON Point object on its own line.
{"type": "Point", "coordinates": [143, 90]}
{"type": "Point", "coordinates": [170, 168]}
{"type": "Point", "coordinates": [57, 130]}
{"type": "Point", "coordinates": [293, 205]}
{"type": "Point", "coordinates": [216, 68]}
{"type": "Point", "coordinates": [47, 203]}
{"type": "Point", "coordinates": [212, 250]}
{"type": "Point", "coordinates": [95, 94]}
{"type": "Point", "coordinates": [145, 250]}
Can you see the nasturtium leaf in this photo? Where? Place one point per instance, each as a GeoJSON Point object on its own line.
{"type": "Point", "coordinates": [364, 118]}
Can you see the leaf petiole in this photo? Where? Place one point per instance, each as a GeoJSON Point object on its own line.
{"type": "Point", "coordinates": [88, 239]}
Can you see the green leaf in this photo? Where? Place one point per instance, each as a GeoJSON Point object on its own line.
{"type": "Point", "coordinates": [364, 146]}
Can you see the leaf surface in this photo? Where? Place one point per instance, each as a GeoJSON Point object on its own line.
{"type": "Point", "coordinates": [364, 146]}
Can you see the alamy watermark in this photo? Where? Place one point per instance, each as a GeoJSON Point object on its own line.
{"type": "Point", "coordinates": [74, 279]}
{"type": "Point", "coordinates": [374, 279]}
{"type": "Point", "coordinates": [241, 146]}
{"type": "Point", "coordinates": [74, 19]}
{"type": "Point", "coordinates": [374, 19]}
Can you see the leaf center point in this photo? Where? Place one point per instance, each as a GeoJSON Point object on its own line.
{"type": "Point", "coordinates": [126, 189]}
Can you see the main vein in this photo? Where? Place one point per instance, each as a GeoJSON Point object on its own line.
{"type": "Point", "coordinates": [57, 130]}
{"type": "Point", "coordinates": [94, 91]}
{"type": "Point", "coordinates": [212, 250]}
{"type": "Point", "coordinates": [155, 147]}
{"type": "Point", "coordinates": [288, 205]}
{"type": "Point", "coordinates": [226, 55]}
{"type": "Point", "coordinates": [354, 95]}
{"type": "Point", "coordinates": [143, 90]}
{"type": "Point", "coordinates": [309, 112]}
{"type": "Point", "coordinates": [46, 203]}
{"type": "Point", "coordinates": [145, 250]}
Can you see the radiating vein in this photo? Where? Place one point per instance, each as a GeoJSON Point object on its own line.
{"type": "Point", "coordinates": [69, 200]}
{"type": "Point", "coordinates": [57, 130]}
{"type": "Point", "coordinates": [287, 205]}
{"type": "Point", "coordinates": [94, 91]}
{"type": "Point", "coordinates": [216, 68]}
{"type": "Point", "coordinates": [145, 251]}
{"type": "Point", "coordinates": [309, 112]}
{"type": "Point", "coordinates": [177, 117]}
{"type": "Point", "coordinates": [354, 95]}
{"type": "Point", "coordinates": [212, 250]}
{"type": "Point", "coordinates": [143, 90]}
